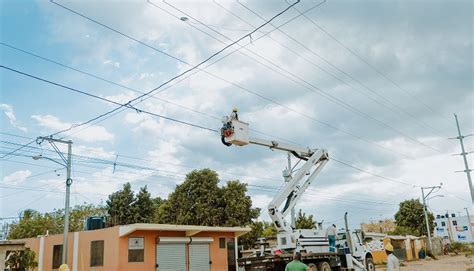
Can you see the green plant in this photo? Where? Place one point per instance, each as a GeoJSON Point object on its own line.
{"type": "Point", "coordinates": [21, 260]}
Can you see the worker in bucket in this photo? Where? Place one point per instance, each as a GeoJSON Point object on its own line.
{"type": "Point", "coordinates": [331, 233]}
{"type": "Point", "coordinates": [296, 264]}
{"type": "Point", "coordinates": [393, 264]}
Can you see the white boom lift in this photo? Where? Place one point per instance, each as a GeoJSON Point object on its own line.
{"type": "Point", "coordinates": [236, 132]}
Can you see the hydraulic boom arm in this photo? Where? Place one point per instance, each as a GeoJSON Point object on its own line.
{"type": "Point", "coordinates": [236, 132]}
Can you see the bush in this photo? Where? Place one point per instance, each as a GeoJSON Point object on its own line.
{"type": "Point", "coordinates": [460, 247]}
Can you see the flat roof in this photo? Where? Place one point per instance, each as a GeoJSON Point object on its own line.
{"type": "Point", "coordinates": [189, 229]}
{"type": "Point", "coordinates": [12, 242]}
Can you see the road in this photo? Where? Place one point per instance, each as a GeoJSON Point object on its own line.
{"type": "Point", "coordinates": [444, 263]}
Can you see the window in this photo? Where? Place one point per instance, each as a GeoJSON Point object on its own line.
{"type": "Point", "coordinates": [436, 224]}
{"type": "Point", "coordinates": [443, 224]}
{"type": "Point", "coordinates": [57, 256]}
{"type": "Point", "coordinates": [455, 223]}
{"type": "Point", "coordinates": [97, 253]}
{"type": "Point", "coordinates": [222, 242]}
{"type": "Point", "coordinates": [136, 249]}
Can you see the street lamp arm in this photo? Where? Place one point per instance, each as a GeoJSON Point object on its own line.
{"type": "Point", "coordinates": [38, 157]}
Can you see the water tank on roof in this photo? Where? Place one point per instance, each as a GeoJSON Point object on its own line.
{"type": "Point", "coordinates": [95, 223]}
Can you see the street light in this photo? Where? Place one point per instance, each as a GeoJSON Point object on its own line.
{"type": "Point", "coordinates": [425, 198]}
{"type": "Point", "coordinates": [38, 157]}
{"type": "Point", "coordinates": [67, 164]}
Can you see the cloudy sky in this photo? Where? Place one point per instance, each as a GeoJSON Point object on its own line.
{"type": "Point", "coordinates": [376, 83]}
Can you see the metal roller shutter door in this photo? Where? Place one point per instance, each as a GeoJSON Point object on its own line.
{"type": "Point", "coordinates": [199, 257]}
{"type": "Point", "coordinates": [171, 257]}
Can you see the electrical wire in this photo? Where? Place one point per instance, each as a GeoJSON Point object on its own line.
{"type": "Point", "coordinates": [126, 105]}
{"type": "Point", "coordinates": [128, 88]}
{"type": "Point", "coordinates": [367, 62]}
{"type": "Point", "coordinates": [194, 66]}
{"type": "Point", "coordinates": [337, 100]}
{"type": "Point", "coordinates": [261, 96]}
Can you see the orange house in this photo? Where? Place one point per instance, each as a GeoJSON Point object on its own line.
{"type": "Point", "coordinates": [142, 247]}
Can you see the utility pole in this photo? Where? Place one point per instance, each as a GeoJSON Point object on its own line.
{"type": "Point", "coordinates": [431, 188]}
{"type": "Point", "coordinates": [67, 164]}
{"type": "Point", "coordinates": [464, 154]}
{"type": "Point", "coordinates": [288, 176]}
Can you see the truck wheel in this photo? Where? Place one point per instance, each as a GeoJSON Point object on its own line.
{"type": "Point", "coordinates": [369, 264]}
{"type": "Point", "coordinates": [324, 266]}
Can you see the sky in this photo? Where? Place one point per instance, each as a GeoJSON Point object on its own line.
{"type": "Point", "coordinates": [375, 83]}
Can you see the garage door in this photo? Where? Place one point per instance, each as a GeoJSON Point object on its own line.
{"type": "Point", "coordinates": [199, 257]}
{"type": "Point", "coordinates": [171, 257]}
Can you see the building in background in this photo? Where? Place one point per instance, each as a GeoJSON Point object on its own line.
{"type": "Point", "coordinates": [141, 247]}
{"type": "Point", "coordinates": [454, 228]}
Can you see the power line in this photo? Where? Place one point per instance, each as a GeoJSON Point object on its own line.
{"type": "Point", "coordinates": [347, 200]}
{"type": "Point", "coordinates": [126, 87]}
{"type": "Point", "coordinates": [194, 66]}
{"type": "Point", "coordinates": [257, 94]}
{"type": "Point", "coordinates": [312, 87]}
{"type": "Point", "coordinates": [126, 105]}
{"type": "Point", "coordinates": [337, 100]}
{"type": "Point", "coordinates": [367, 62]}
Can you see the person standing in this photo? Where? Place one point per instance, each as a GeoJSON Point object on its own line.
{"type": "Point", "coordinates": [393, 264]}
{"type": "Point", "coordinates": [331, 233]}
{"type": "Point", "coordinates": [296, 264]}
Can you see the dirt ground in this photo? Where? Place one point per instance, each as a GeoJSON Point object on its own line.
{"type": "Point", "coordinates": [444, 263]}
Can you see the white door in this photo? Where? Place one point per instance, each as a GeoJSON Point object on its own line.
{"type": "Point", "coordinates": [171, 257]}
{"type": "Point", "coordinates": [199, 259]}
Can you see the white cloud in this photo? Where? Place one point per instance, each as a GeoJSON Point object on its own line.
{"type": "Point", "coordinates": [109, 62]}
{"type": "Point", "coordinates": [122, 97]}
{"type": "Point", "coordinates": [17, 177]}
{"type": "Point", "coordinates": [90, 134]}
{"type": "Point", "coordinates": [97, 152]}
{"type": "Point", "coordinates": [8, 110]}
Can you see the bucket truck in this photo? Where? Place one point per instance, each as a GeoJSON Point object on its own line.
{"type": "Point", "coordinates": [312, 243]}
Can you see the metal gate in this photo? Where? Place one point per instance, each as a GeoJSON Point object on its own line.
{"type": "Point", "coordinates": [199, 259]}
{"type": "Point", "coordinates": [171, 257]}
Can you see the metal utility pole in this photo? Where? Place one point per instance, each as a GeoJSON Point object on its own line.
{"type": "Point", "coordinates": [431, 188]}
{"type": "Point", "coordinates": [288, 175]}
{"type": "Point", "coordinates": [464, 154]}
{"type": "Point", "coordinates": [67, 164]}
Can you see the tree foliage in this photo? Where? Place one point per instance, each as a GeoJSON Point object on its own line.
{"type": "Point", "coordinates": [200, 201]}
{"type": "Point", "coordinates": [303, 222]}
{"type": "Point", "coordinates": [382, 226]}
{"type": "Point", "coordinates": [124, 207]}
{"type": "Point", "coordinates": [143, 207]}
{"type": "Point", "coordinates": [119, 206]}
{"type": "Point", "coordinates": [22, 260]}
{"type": "Point", "coordinates": [33, 223]}
{"type": "Point", "coordinates": [410, 219]}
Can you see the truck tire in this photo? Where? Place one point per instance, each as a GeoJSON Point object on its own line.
{"type": "Point", "coordinates": [324, 266]}
{"type": "Point", "coordinates": [369, 264]}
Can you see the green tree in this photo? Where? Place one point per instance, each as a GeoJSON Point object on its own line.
{"type": "Point", "coordinates": [119, 206]}
{"type": "Point", "coordinates": [33, 223]}
{"type": "Point", "coordinates": [236, 205]}
{"type": "Point", "coordinates": [143, 207]}
{"type": "Point", "coordinates": [199, 201]}
{"type": "Point", "coordinates": [410, 218]}
{"type": "Point", "coordinates": [21, 260]}
{"type": "Point", "coordinates": [303, 222]}
{"type": "Point", "coordinates": [269, 229]}
{"type": "Point", "coordinates": [248, 240]}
